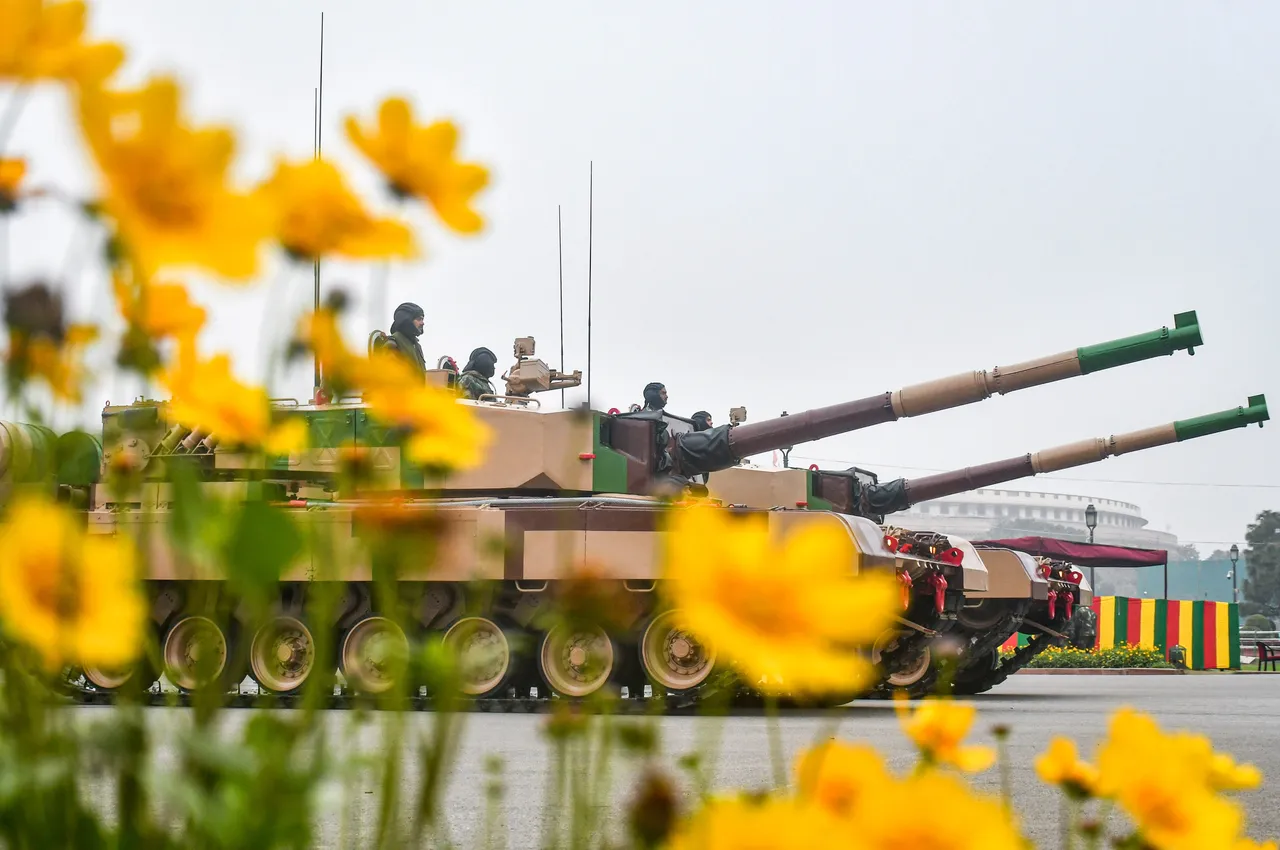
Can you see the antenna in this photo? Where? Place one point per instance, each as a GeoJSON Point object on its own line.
{"type": "Point", "coordinates": [590, 211]}
{"type": "Point", "coordinates": [560, 250]}
{"type": "Point", "coordinates": [318, 134]}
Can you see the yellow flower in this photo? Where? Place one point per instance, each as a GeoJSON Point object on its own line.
{"type": "Point", "coordinates": [58, 365]}
{"type": "Point", "coordinates": [790, 614]}
{"type": "Point", "coordinates": [165, 184]}
{"type": "Point", "coordinates": [206, 395]}
{"type": "Point", "coordinates": [286, 438]}
{"type": "Point", "coordinates": [71, 597]}
{"type": "Point", "coordinates": [1061, 765]}
{"type": "Point", "coordinates": [12, 172]}
{"type": "Point", "coordinates": [1226, 775]}
{"type": "Point", "coordinates": [419, 161]}
{"type": "Point", "coordinates": [159, 309]}
{"type": "Point", "coordinates": [837, 774]}
{"type": "Point", "coordinates": [934, 810]}
{"type": "Point", "coordinates": [938, 727]}
{"type": "Point", "coordinates": [1166, 784]}
{"type": "Point", "coordinates": [445, 433]}
{"type": "Point", "coordinates": [316, 215]}
{"type": "Point", "coordinates": [40, 40]}
{"type": "Point", "coordinates": [767, 823]}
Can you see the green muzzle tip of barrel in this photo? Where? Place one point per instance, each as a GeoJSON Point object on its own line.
{"type": "Point", "coordinates": [1185, 334]}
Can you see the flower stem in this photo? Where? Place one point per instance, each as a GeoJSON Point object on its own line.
{"type": "Point", "coordinates": [1006, 782]}
{"type": "Point", "coordinates": [9, 120]}
{"type": "Point", "coordinates": [774, 728]}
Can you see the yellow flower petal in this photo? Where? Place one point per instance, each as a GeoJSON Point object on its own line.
{"type": "Point", "coordinates": [71, 597]}
{"type": "Point", "coordinates": [165, 184]}
{"type": "Point", "coordinates": [289, 437]}
{"type": "Point", "coordinates": [774, 608]}
{"type": "Point", "coordinates": [316, 215]}
{"type": "Point", "coordinates": [420, 161]}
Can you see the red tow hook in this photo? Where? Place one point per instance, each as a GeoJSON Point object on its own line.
{"type": "Point", "coordinates": [904, 578]}
{"type": "Point", "coordinates": [1067, 602]}
{"type": "Point", "coordinates": [939, 583]}
{"type": "Point", "coordinates": [1053, 601]}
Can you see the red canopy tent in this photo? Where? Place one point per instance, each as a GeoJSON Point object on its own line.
{"type": "Point", "coordinates": [1083, 554]}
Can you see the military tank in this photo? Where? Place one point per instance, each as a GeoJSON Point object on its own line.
{"type": "Point", "coordinates": [559, 490]}
{"type": "Point", "coordinates": [1033, 595]}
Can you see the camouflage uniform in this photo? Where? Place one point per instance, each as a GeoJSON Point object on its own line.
{"type": "Point", "coordinates": [404, 337]}
{"type": "Point", "coordinates": [474, 380]}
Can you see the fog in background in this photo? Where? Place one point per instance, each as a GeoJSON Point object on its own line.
{"type": "Point", "coordinates": [795, 204]}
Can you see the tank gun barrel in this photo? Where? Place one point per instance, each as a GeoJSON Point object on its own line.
{"type": "Point", "coordinates": [901, 494]}
{"type": "Point", "coordinates": [964, 388]}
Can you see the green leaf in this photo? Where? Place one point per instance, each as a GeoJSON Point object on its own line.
{"type": "Point", "coordinates": [263, 542]}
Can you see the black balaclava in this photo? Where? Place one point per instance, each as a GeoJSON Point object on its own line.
{"type": "Point", "coordinates": [404, 316]}
{"type": "Point", "coordinates": [651, 398]}
{"type": "Point", "coordinates": [701, 420]}
{"type": "Point", "coordinates": [483, 361]}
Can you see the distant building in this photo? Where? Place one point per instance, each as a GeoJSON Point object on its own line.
{"type": "Point", "coordinates": [1021, 513]}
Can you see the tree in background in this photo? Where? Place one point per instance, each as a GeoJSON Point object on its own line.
{"type": "Point", "coordinates": [1189, 552]}
{"type": "Point", "coordinates": [1263, 556]}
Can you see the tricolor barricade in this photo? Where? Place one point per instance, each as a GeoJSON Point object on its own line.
{"type": "Point", "coordinates": [1208, 631]}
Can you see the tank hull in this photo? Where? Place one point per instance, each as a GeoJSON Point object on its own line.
{"type": "Point", "coordinates": [499, 566]}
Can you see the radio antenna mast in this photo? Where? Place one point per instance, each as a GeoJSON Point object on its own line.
{"type": "Point", "coordinates": [317, 135]}
{"type": "Point", "coordinates": [590, 212]}
{"type": "Point", "coordinates": [560, 251]}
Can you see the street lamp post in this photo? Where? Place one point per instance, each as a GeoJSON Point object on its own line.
{"type": "Point", "coordinates": [1091, 521]}
{"type": "Point", "coordinates": [1235, 556]}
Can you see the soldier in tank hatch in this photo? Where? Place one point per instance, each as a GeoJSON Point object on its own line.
{"type": "Point", "coordinates": [474, 380]}
{"type": "Point", "coordinates": [701, 421]}
{"type": "Point", "coordinates": [655, 396]}
{"type": "Point", "coordinates": [406, 327]}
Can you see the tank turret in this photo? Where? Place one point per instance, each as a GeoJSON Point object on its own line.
{"type": "Point", "coordinates": [658, 447]}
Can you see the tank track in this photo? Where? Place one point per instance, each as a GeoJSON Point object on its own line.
{"type": "Point", "coordinates": [685, 702]}
{"type": "Point", "coordinates": [1007, 667]}
{"type": "Point", "coordinates": [986, 642]}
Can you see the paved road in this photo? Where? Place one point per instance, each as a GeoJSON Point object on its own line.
{"type": "Point", "coordinates": [1240, 712]}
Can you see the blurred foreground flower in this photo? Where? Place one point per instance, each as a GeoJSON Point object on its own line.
{"type": "Point", "coordinates": [155, 312]}
{"type": "Point", "coordinates": [790, 615]}
{"type": "Point", "coordinates": [767, 822]}
{"type": "Point", "coordinates": [12, 173]}
{"type": "Point", "coordinates": [165, 183]}
{"type": "Point", "coordinates": [1169, 783]}
{"type": "Point", "coordinates": [838, 775]}
{"type": "Point", "coordinates": [71, 597]}
{"type": "Point", "coordinates": [935, 810]}
{"type": "Point", "coordinates": [316, 215]}
{"type": "Point", "coordinates": [440, 431]}
{"type": "Point", "coordinates": [41, 344]}
{"type": "Point", "coordinates": [938, 728]}
{"type": "Point", "coordinates": [40, 40]}
{"type": "Point", "coordinates": [1061, 765]}
{"type": "Point", "coordinates": [159, 309]}
{"type": "Point", "coordinates": [880, 811]}
{"type": "Point", "coordinates": [419, 162]}
{"type": "Point", "coordinates": [206, 395]}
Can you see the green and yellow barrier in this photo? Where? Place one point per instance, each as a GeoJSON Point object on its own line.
{"type": "Point", "coordinates": [1208, 631]}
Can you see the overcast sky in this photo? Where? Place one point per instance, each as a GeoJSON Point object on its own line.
{"type": "Point", "coordinates": [795, 204]}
